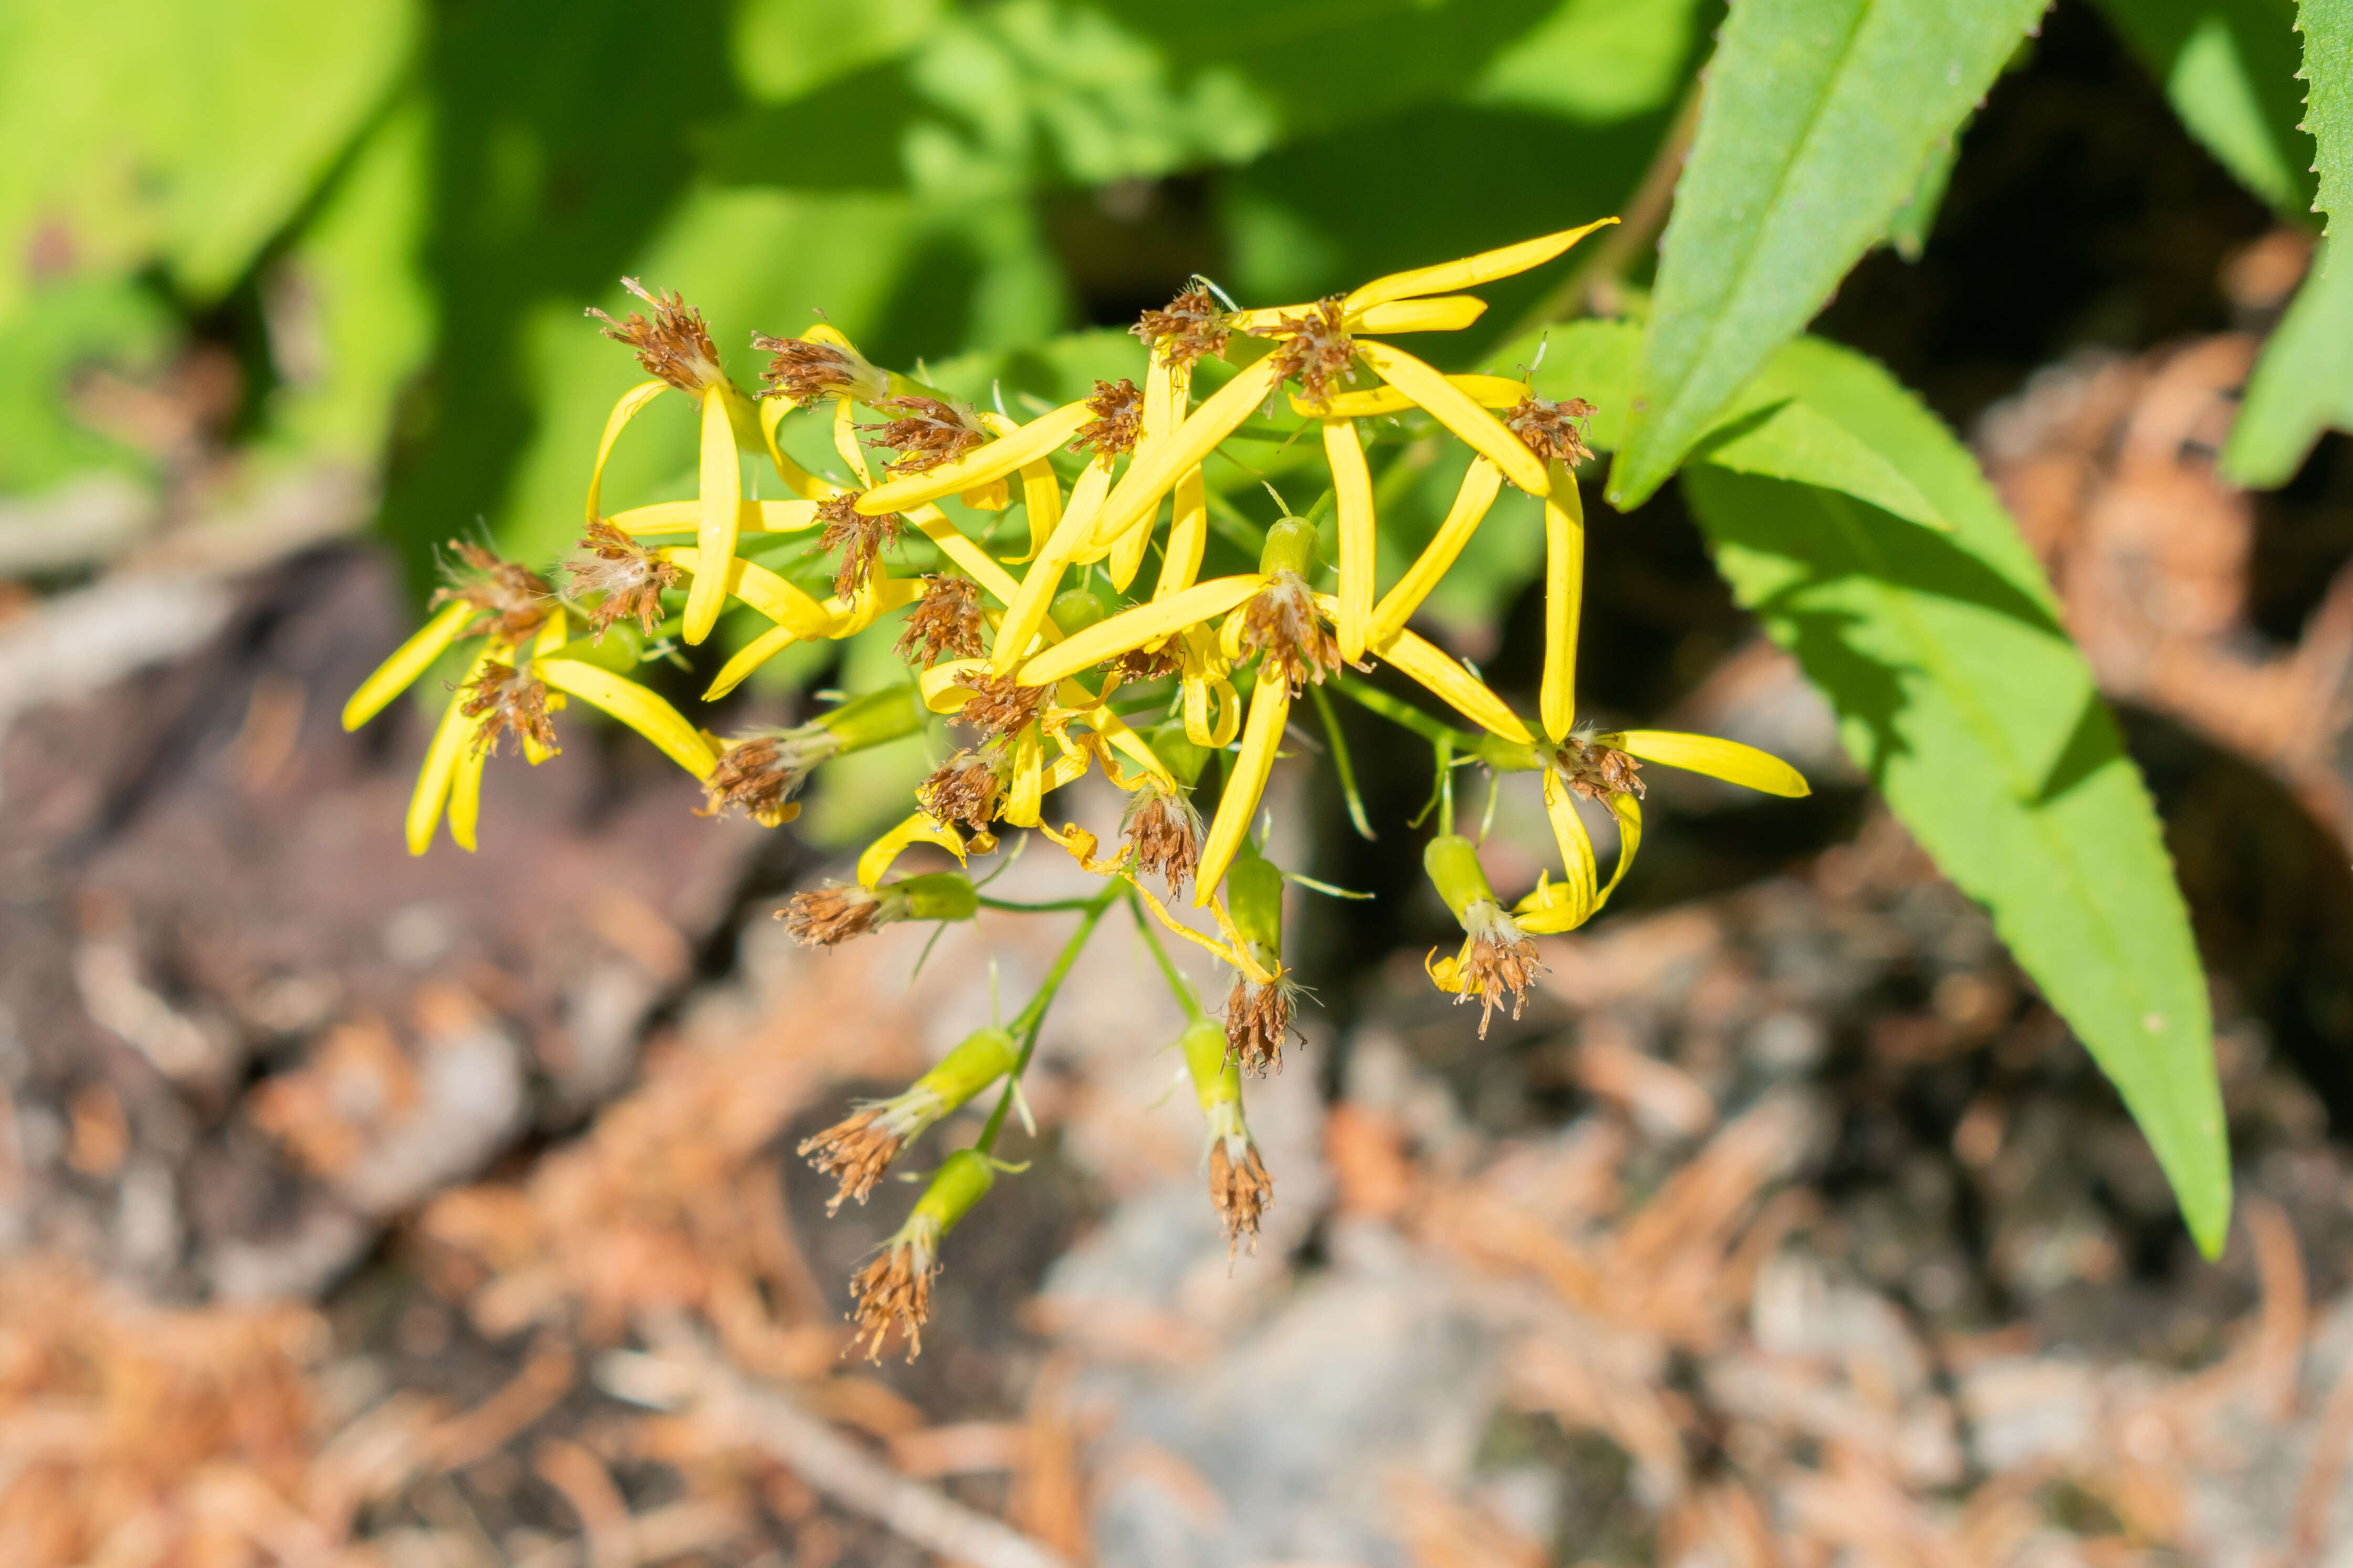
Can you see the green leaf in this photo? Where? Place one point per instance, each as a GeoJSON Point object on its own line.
{"type": "Point", "coordinates": [1907, 231]}
{"type": "Point", "coordinates": [2328, 73]}
{"type": "Point", "coordinates": [2228, 69]}
{"type": "Point", "coordinates": [2302, 386]}
{"type": "Point", "coordinates": [1960, 695]}
{"type": "Point", "coordinates": [1821, 118]}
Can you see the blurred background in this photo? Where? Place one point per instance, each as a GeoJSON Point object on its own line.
{"type": "Point", "coordinates": [357, 1209]}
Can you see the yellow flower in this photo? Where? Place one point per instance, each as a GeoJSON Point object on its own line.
{"type": "Point", "coordinates": [1606, 767]}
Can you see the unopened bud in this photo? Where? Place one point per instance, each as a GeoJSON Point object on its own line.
{"type": "Point", "coordinates": [933, 896]}
{"type": "Point", "coordinates": [1497, 959]}
{"type": "Point", "coordinates": [982, 1057]}
{"type": "Point", "coordinates": [963, 1179]}
{"type": "Point", "coordinates": [1075, 611]}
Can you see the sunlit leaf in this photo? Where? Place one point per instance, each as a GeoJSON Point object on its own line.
{"type": "Point", "coordinates": [2302, 386]}
{"type": "Point", "coordinates": [1820, 119]}
{"type": "Point", "coordinates": [2328, 73]}
{"type": "Point", "coordinates": [1964, 701]}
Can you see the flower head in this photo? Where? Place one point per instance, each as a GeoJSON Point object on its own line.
{"type": "Point", "coordinates": [805, 370]}
{"type": "Point", "coordinates": [514, 601]}
{"type": "Point", "coordinates": [967, 788]}
{"type": "Point", "coordinates": [1257, 1023]}
{"type": "Point", "coordinates": [1192, 325]}
{"type": "Point", "coordinates": [673, 345]}
{"type": "Point", "coordinates": [761, 772]}
{"type": "Point", "coordinates": [925, 433]}
{"type": "Point", "coordinates": [855, 1152]}
{"type": "Point", "coordinates": [627, 578]}
{"type": "Point", "coordinates": [505, 700]}
{"type": "Point", "coordinates": [1316, 349]}
{"type": "Point", "coordinates": [1239, 1187]}
{"type": "Point", "coordinates": [1497, 958]}
{"type": "Point", "coordinates": [1118, 410]}
{"type": "Point", "coordinates": [894, 1291]}
{"type": "Point", "coordinates": [860, 538]}
{"type": "Point", "coordinates": [1279, 621]}
{"type": "Point", "coordinates": [1554, 431]}
{"type": "Point", "coordinates": [1598, 771]}
{"type": "Point", "coordinates": [1002, 705]}
{"type": "Point", "coordinates": [831, 914]}
{"type": "Point", "coordinates": [945, 623]}
{"type": "Point", "coordinates": [1165, 832]}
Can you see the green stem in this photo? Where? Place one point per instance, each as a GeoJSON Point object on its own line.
{"type": "Point", "coordinates": [1184, 993]}
{"type": "Point", "coordinates": [1056, 906]}
{"type": "Point", "coordinates": [1403, 714]}
{"type": "Point", "coordinates": [1026, 1024]}
{"type": "Point", "coordinates": [1340, 763]}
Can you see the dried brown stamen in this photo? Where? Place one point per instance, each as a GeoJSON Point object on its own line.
{"type": "Point", "coordinates": [1118, 419]}
{"type": "Point", "coordinates": [673, 345]}
{"type": "Point", "coordinates": [1193, 325]}
{"type": "Point", "coordinates": [506, 699]}
{"type": "Point", "coordinates": [514, 600]}
{"type": "Point", "coordinates": [1166, 833]}
{"type": "Point", "coordinates": [1239, 1188]}
{"type": "Point", "coordinates": [761, 773]}
{"type": "Point", "coordinates": [1499, 959]}
{"type": "Point", "coordinates": [945, 623]}
{"type": "Point", "coordinates": [1002, 705]}
{"type": "Point", "coordinates": [965, 789]}
{"type": "Point", "coordinates": [894, 1291]}
{"type": "Point", "coordinates": [629, 578]}
{"type": "Point", "coordinates": [805, 370]}
{"type": "Point", "coordinates": [1279, 621]}
{"type": "Point", "coordinates": [831, 915]}
{"type": "Point", "coordinates": [1149, 664]}
{"type": "Point", "coordinates": [927, 434]}
{"type": "Point", "coordinates": [1258, 1024]}
{"type": "Point", "coordinates": [1598, 771]}
{"type": "Point", "coordinates": [1554, 431]}
{"type": "Point", "coordinates": [860, 538]}
{"type": "Point", "coordinates": [854, 1154]}
{"type": "Point", "coordinates": [1316, 349]}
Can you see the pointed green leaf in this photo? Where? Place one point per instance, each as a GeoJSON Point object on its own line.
{"type": "Point", "coordinates": [2228, 67]}
{"type": "Point", "coordinates": [2327, 29]}
{"type": "Point", "coordinates": [1821, 118]}
{"type": "Point", "coordinates": [2302, 386]}
{"type": "Point", "coordinates": [1960, 695]}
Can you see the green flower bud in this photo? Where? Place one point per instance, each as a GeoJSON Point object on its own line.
{"type": "Point", "coordinates": [963, 1179]}
{"type": "Point", "coordinates": [874, 719]}
{"type": "Point", "coordinates": [982, 1058]}
{"type": "Point", "coordinates": [935, 896]}
{"type": "Point", "coordinates": [1075, 611]}
{"type": "Point", "coordinates": [1452, 863]}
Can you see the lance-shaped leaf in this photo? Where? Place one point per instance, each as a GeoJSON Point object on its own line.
{"type": "Point", "coordinates": [2328, 73]}
{"type": "Point", "coordinates": [2228, 70]}
{"type": "Point", "coordinates": [1964, 700]}
{"type": "Point", "coordinates": [2304, 383]}
{"type": "Point", "coordinates": [1821, 118]}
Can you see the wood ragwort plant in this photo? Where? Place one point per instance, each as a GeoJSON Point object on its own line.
{"type": "Point", "coordinates": [1046, 576]}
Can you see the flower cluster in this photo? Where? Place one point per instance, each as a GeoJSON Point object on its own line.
{"type": "Point", "coordinates": [1048, 681]}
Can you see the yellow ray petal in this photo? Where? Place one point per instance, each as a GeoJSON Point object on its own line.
{"type": "Point", "coordinates": [465, 793]}
{"type": "Point", "coordinates": [1201, 692]}
{"type": "Point", "coordinates": [990, 460]}
{"type": "Point", "coordinates": [1628, 810]}
{"type": "Point", "coordinates": [686, 517]}
{"type": "Point", "coordinates": [1126, 558]}
{"type": "Point", "coordinates": [1026, 613]}
{"type": "Point", "coordinates": [1446, 313]}
{"type": "Point", "coordinates": [1352, 491]}
{"type": "Point", "coordinates": [1469, 272]}
{"type": "Point", "coordinates": [845, 441]}
{"type": "Point", "coordinates": [1487, 391]}
{"type": "Point", "coordinates": [944, 687]}
{"type": "Point", "coordinates": [994, 495]}
{"type": "Point", "coordinates": [751, 657]}
{"type": "Point", "coordinates": [1455, 409]}
{"type": "Point", "coordinates": [723, 499]}
{"type": "Point", "coordinates": [1726, 759]}
{"type": "Point", "coordinates": [1023, 801]}
{"type": "Point", "coordinates": [635, 706]}
{"type": "Point", "coordinates": [766, 592]}
{"type": "Point", "coordinates": [1444, 676]}
{"type": "Point", "coordinates": [1151, 474]}
{"type": "Point", "coordinates": [798, 480]}
{"type": "Point", "coordinates": [624, 411]}
{"type": "Point", "coordinates": [1042, 498]}
{"type": "Point", "coordinates": [1188, 535]}
{"type": "Point", "coordinates": [935, 525]}
{"type": "Point", "coordinates": [1133, 629]}
{"type": "Point", "coordinates": [916, 829]}
{"type": "Point", "coordinates": [1569, 902]}
{"type": "Point", "coordinates": [1564, 597]}
{"type": "Point", "coordinates": [410, 660]}
{"type": "Point", "coordinates": [1480, 486]}
{"type": "Point", "coordinates": [450, 738]}
{"type": "Point", "coordinates": [1245, 780]}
